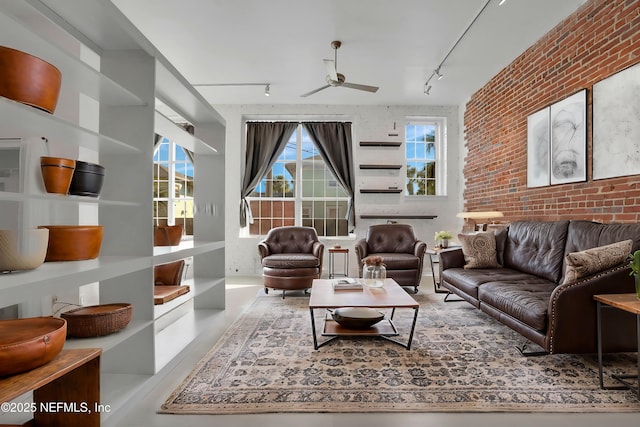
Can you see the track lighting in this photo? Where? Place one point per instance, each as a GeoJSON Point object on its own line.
{"type": "Point", "coordinates": [437, 71]}
{"type": "Point", "coordinates": [266, 90]}
{"type": "Point", "coordinates": [427, 88]}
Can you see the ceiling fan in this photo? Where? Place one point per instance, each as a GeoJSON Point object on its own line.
{"type": "Point", "coordinates": [335, 79]}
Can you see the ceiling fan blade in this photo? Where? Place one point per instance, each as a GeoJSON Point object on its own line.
{"type": "Point", "coordinates": [360, 87]}
{"type": "Point", "coordinates": [314, 91]}
{"type": "Point", "coordinates": [330, 66]}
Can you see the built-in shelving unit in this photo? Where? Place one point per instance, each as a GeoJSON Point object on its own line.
{"type": "Point", "coordinates": [108, 115]}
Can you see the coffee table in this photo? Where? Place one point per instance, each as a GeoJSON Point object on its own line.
{"type": "Point", "coordinates": [390, 295]}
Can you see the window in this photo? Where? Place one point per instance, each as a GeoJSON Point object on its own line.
{"type": "Point", "coordinates": [425, 163]}
{"type": "Point", "coordinates": [299, 190]}
{"type": "Point", "coordinates": [172, 169]}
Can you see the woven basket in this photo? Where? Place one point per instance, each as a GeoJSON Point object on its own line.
{"type": "Point", "coordinates": [97, 320]}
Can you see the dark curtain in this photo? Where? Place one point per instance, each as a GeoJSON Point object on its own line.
{"type": "Point", "coordinates": [265, 142]}
{"type": "Point", "coordinates": [333, 140]}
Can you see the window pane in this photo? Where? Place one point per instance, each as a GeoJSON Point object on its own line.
{"type": "Point", "coordinates": [421, 150]}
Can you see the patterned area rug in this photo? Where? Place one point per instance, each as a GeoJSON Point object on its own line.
{"type": "Point", "coordinates": [461, 360]}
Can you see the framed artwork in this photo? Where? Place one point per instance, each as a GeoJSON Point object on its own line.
{"type": "Point", "coordinates": [538, 143]}
{"type": "Point", "coordinates": [616, 125]}
{"type": "Point", "coordinates": [569, 139]}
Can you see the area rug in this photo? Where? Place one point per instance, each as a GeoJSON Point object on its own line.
{"type": "Point", "coordinates": [461, 360]}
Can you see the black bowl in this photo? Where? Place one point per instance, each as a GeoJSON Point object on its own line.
{"type": "Point", "coordinates": [87, 179]}
{"type": "Point", "coordinates": [357, 317]}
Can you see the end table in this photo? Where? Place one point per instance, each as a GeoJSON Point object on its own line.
{"type": "Point", "coordinates": [332, 266]}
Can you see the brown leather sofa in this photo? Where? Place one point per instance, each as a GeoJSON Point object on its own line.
{"type": "Point", "coordinates": [291, 258]}
{"type": "Point", "coordinates": [528, 293]}
{"type": "Point", "coordinates": [401, 251]}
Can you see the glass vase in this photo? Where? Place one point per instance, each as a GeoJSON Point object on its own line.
{"type": "Point", "coordinates": [374, 275]}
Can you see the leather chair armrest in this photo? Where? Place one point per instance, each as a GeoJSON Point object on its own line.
{"type": "Point", "coordinates": [263, 249]}
{"type": "Point", "coordinates": [453, 258]}
{"type": "Point", "coordinates": [419, 248]}
{"type": "Point", "coordinates": [362, 250]}
{"type": "Point", "coordinates": [318, 251]}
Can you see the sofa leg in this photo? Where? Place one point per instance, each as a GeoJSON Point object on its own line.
{"type": "Point", "coordinates": [524, 352]}
{"type": "Point", "coordinates": [446, 298]}
{"type": "Point", "coordinates": [415, 289]}
{"type": "Point", "coordinates": [283, 294]}
{"type": "Point", "coordinates": [266, 291]}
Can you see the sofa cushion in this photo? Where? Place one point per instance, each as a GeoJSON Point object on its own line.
{"type": "Point", "coordinates": [537, 248]}
{"type": "Point", "coordinates": [584, 263]}
{"type": "Point", "coordinates": [468, 280]}
{"type": "Point", "coordinates": [526, 299]}
{"type": "Point", "coordinates": [479, 250]}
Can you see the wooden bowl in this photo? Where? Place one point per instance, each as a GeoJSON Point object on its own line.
{"type": "Point", "coordinates": [57, 173]}
{"type": "Point", "coordinates": [29, 80]}
{"type": "Point", "coordinates": [357, 317]}
{"type": "Point", "coordinates": [73, 242]}
{"type": "Point", "coordinates": [28, 343]}
{"type": "Point", "coordinates": [167, 235]}
{"type": "Point", "coordinates": [97, 320]}
{"type": "Point", "coordinates": [22, 250]}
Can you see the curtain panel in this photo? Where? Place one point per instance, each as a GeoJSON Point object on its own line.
{"type": "Point", "coordinates": [265, 142]}
{"type": "Point", "coordinates": [333, 140]}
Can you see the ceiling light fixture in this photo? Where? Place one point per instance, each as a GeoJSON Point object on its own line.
{"type": "Point", "coordinates": [436, 71]}
{"type": "Point", "coordinates": [266, 90]}
{"type": "Point", "coordinates": [267, 86]}
{"type": "Point", "coordinates": [502, 2]}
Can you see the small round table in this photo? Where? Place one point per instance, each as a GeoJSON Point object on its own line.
{"type": "Point", "coordinates": [332, 252]}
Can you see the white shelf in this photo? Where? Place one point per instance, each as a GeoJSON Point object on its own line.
{"type": "Point", "coordinates": [171, 131]}
{"type": "Point", "coordinates": [18, 120]}
{"type": "Point", "coordinates": [165, 254]}
{"type": "Point", "coordinates": [75, 73]}
{"type": "Point", "coordinates": [110, 341]}
{"type": "Point", "coordinates": [57, 277]}
{"type": "Point", "coordinates": [60, 198]}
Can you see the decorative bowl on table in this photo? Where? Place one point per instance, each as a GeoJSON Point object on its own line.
{"type": "Point", "coordinates": [22, 249]}
{"type": "Point", "coordinates": [57, 173]}
{"type": "Point", "coordinates": [73, 242]}
{"type": "Point", "coordinates": [97, 320]}
{"type": "Point", "coordinates": [29, 80]}
{"type": "Point", "coordinates": [357, 317]}
{"type": "Point", "coordinates": [87, 179]}
{"type": "Point", "coordinates": [28, 343]}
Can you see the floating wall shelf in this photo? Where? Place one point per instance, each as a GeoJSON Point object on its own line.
{"type": "Point", "coordinates": [380, 166]}
{"type": "Point", "coordinates": [380, 144]}
{"type": "Point", "coordinates": [383, 216]}
{"type": "Point", "coordinates": [380, 190]}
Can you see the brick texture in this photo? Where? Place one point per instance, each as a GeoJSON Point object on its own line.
{"type": "Point", "coordinates": [601, 38]}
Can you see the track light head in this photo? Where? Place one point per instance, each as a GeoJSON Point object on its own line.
{"type": "Point", "coordinates": [437, 73]}
{"type": "Point", "coordinates": [267, 89]}
{"type": "Point", "coordinates": [427, 88]}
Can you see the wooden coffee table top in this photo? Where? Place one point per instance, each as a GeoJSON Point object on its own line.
{"type": "Point", "coordinates": [389, 296]}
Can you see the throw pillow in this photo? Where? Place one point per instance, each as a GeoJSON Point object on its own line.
{"type": "Point", "coordinates": [590, 261]}
{"type": "Point", "coordinates": [479, 250]}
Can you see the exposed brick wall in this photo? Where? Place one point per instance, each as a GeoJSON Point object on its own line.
{"type": "Point", "coordinates": [601, 38]}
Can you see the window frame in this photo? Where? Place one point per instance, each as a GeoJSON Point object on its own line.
{"type": "Point", "coordinates": [440, 158]}
{"type": "Point", "coordinates": [301, 201]}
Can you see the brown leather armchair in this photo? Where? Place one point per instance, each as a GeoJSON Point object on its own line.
{"type": "Point", "coordinates": [401, 251]}
{"type": "Point", "coordinates": [291, 258]}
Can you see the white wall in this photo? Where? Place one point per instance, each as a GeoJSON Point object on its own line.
{"type": "Point", "coordinates": [370, 123]}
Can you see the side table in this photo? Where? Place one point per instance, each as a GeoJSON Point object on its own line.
{"type": "Point", "coordinates": [434, 258]}
{"type": "Point", "coordinates": [332, 265]}
{"type": "Point", "coordinates": [631, 304]}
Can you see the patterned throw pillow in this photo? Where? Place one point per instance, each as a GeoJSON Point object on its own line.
{"type": "Point", "coordinates": [590, 261]}
{"type": "Point", "coordinates": [479, 250]}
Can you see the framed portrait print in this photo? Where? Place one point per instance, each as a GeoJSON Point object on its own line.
{"type": "Point", "coordinates": [538, 143]}
{"type": "Point", "coordinates": [568, 128]}
{"type": "Point", "coordinates": [616, 125]}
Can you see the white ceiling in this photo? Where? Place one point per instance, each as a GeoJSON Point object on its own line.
{"type": "Point", "coordinates": [393, 44]}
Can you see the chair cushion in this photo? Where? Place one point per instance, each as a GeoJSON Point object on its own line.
{"type": "Point", "coordinates": [290, 261]}
{"type": "Point", "coordinates": [399, 261]}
